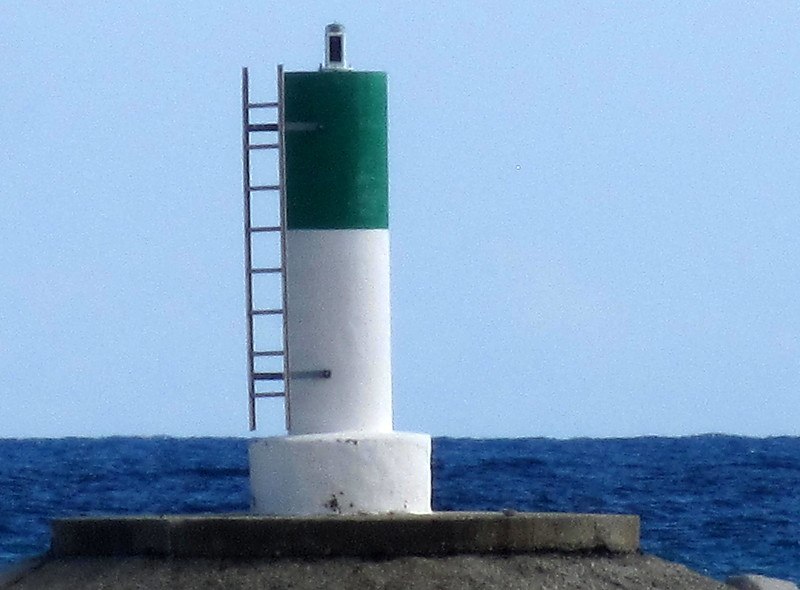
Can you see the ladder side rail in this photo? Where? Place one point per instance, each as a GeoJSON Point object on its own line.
{"type": "Point", "coordinates": [287, 400]}
{"type": "Point", "coordinates": [248, 254]}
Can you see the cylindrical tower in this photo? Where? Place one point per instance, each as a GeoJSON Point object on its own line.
{"type": "Point", "coordinates": [337, 251]}
{"type": "Point", "coordinates": [341, 455]}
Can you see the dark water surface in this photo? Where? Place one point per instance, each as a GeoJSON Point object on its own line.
{"type": "Point", "coordinates": [718, 504]}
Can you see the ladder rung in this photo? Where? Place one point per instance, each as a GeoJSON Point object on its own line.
{"type": "Point", "coordinates": [268, 353]}
{"type": "Point", "coordinates": [264, 146]}
{"type": "Point", "coordinates": [262, 127]}
{"type": "Point", "coordinates": [261, 271]}
{"type": "Point", "coordinates": [266, 187]}
{"type": "Point", "coordinates": [268, 376]}
{"type": "Point", "coordinates": [264, 228]}
{"type": "Point", "coordinates": [262, 105]}
{"type": "Point", "coordinates": [267, 312]}
{"type": "Point", "coordinates": [269, 394]}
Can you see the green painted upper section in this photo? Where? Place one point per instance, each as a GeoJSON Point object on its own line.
{"type": "Point", "coordinates": [336, 156]}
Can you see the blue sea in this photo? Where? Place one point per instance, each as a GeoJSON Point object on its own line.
{"type": "Point", "coordinates": [718, 504]}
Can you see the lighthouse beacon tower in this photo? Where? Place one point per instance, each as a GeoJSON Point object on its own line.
{"type": "Point", "coordinates": [341, 455]}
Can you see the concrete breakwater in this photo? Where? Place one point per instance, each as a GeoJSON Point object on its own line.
{"type": "Point", "coordinates": [438, 551]}
{"type": "Point", "coordinates": [555, 571]}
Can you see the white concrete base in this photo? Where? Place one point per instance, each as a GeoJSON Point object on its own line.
{"type": "Point", "coordinates": [341, 473]}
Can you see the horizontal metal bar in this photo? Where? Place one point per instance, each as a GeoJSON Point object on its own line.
{"type": "Point", "coordinates": [263, 228]}
{"type": "Point", "coordinates": [262, 105]}
{"type": "Point", "coordinates": [268, 394]}
{"type": "Point", "coordinates": [262, 271]}
{"type": "Point", "coordinates": [267, 311]}
{"type": "Point", "coordinates": [268, 353]}
{"type": "Point", "coordinates": [322, 374]}
{"type": "Point", "coordinates": [266, 187]}
{"type": "Point", "coordinates": [262, 127]}
{"type": "Point", "coordinates": [268, 376]}
{"type": "Point", "coordinates": [263, 146]}
{"type": "Point", "coordinates": [301, 126]}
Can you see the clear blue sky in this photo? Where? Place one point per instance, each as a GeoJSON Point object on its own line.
{"type": "Point", "coordinates": [594, 213]}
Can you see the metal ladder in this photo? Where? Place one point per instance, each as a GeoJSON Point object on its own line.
{"type": "Point", "coordinates": [274, 130]}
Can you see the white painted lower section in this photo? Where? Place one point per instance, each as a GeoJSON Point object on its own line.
{"type": "Point", "coordinates": [338, 320]}
{"type": "Point", "coordinates": [341, 473]}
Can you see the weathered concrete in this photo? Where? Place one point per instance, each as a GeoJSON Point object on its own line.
{"type": "Point", "coordinates": [754, 582]}
{"type": "Point", "coordinates": [19, 571]}
{"type": "Point", "coordinates": [442, 533]}
{"type": "Point", "coordinates": [365, 472]}
{"type": "Point", "coordinates": [531, 571]}
{"type": "Point", "coordinates": [134, 535]}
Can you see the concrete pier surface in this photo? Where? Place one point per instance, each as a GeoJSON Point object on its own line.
{"type": "Point", "coordinates": [442, 551]}
{"type": "Point", "coordinates": [455, 550]}
{"type": "Point", "coordinates": [553, 571]}
{"type": "Point", "coordinates": [362, 535]}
